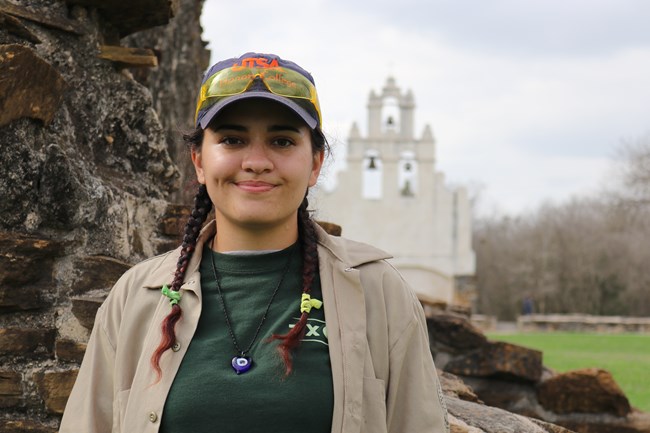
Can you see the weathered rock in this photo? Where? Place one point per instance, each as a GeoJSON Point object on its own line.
{"type": "Point", "coordinates": [589, 390]}
{"type": "Point", "coordinates": [25, 271]}
{"type": "Point", "coordinates": [85, 307]}
{"type": "Point", "coordinates": [127, 56]}
{"type": "Point", "coordinates": [514, 396]}
{"type": "Point", "coordinates": [468, 416]}
{"type": "Point", "coordinates": [96, 273]}
{"type": "Point", "coordinates": [55, 388]}
{"type": "Point", "coordinates": [11, 389]}
{"type": "Point", "coordinates": [130, 16]}
{"type": "Point", "coordinates": [521, 398]}
{"type": "Point", "coordinates": [499, 359]}
{"type": "Point", "coordinates": [69, 350]}
{"type": "Point", "coordinates": [635, 422]}
{"type": "Point", "coordinates": [331, 228]}
{"type": "Point", "coordinates": [455, 333]}
{"type": "Point", "coordinates": [48, 17]}
{"type": "Point", "coordinates": [21, 254]}
{"type": "Point", "coordinates": [15, 27]}
{"type": "Point", "coordinates": [22, 298]}
{"type": "Point", "coordinates": [172, 225]}
{"type": "Point", "coordinates": [453, 386]}
{"type": "Point", "coordinates": [27, 342]}
{"type": "Point", "coordinates": [551, 428]}
{"type": "Point", "coordinates": [461, 310]}
{"type": "Point", "coordinates": [173, 220]}
{"type": "Point", "coordinates": [29, 86]}
{"type": "Point", "coordinates": [25, 426]}
{"type": "Point", "coordinates": [459, 426]}
{"type": "Point", "coordinates": [183, 59]}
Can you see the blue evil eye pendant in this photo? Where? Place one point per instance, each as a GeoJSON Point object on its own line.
{"type": "Point", "coordinates": [241, 364]}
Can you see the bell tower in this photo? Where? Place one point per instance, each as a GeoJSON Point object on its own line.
{"type": "Point", "coordinates": [391, 112]}
{"type": "Point", "coordinates": [390, 161]}
{"type": "Point", "coordinates": [391, 196]}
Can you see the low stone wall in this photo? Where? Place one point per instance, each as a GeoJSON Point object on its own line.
{"type": "Point", "coordinates": [583, 323]}
{"type": "Point", "coordinates": [484, 322]}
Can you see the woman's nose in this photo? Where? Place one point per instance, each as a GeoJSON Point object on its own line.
{"type": "Point", "coordinates": [256, 158]}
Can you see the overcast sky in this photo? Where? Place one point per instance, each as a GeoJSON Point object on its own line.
{"type": "Point", "coordinates": [528, 98]}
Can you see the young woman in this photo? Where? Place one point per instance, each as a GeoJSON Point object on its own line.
{"type": "Point", "coordinates": [260, 321]}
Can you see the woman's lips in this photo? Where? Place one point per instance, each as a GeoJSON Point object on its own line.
{"type": "Point", "coordinates": [255, 186]}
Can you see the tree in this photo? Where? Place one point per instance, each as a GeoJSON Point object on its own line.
{"type": "Point", "coordinates": [586, 255]}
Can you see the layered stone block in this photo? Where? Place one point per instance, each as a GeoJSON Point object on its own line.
{"type": "Point", "coordinates": [36, 92]}
{"type": "Point", "coordinates": [11, 389]}
{"type": "Point", "coordinates": [69, 350]}
{"type": "Point", "coordinates": [25, 426]}
{"type": "Point", "coordinates": [28, 342]}
{"type": "Point", "coordinates": [501, 360]}
{"type": "Point", "coordinates": [55, 387]}
{"type": "Point", "coordinates": [590, 390]}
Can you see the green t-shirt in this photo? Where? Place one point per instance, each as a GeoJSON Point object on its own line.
{"type": "Point", "coordinates": [208, 396]}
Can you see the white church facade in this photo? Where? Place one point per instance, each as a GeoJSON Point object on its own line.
{"type": "Point", "coordinates": [390, 195]}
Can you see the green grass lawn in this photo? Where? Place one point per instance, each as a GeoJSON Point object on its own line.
{"type": "Point", "coordinates": [626, 356]}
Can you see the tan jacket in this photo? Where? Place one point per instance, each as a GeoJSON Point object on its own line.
{"type": "Point", "coordinates": [383, 373]}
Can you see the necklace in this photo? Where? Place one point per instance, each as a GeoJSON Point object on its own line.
{"type": "Point", "coordinates": [242, 362]}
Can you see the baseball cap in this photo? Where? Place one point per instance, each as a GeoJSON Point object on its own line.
{"type": "Point", "coordinates": [257, 75]}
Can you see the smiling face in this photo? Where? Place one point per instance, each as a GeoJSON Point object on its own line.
{"type": "Point", "coordinates": [257, 162]}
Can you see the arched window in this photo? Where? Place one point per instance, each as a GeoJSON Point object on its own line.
{"type": "Point", "coordinates": [390, 114]}
{"type": "Point", "coordinates": [407, 175]}
{"type": "Point", "coordinates": [372, 176]}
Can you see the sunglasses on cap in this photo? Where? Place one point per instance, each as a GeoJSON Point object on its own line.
{"type": "Point", "coordinates": [237, 79]}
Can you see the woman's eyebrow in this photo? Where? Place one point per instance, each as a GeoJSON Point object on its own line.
{"type": "Point", "coordinates": [234, 127]}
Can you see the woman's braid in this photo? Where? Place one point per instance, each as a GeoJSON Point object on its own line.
{"type": "Point", "coordinates": [202, 207]}
{"type": "Point", "coordinates": [308, 246]}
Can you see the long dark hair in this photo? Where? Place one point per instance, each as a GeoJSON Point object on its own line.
{"type": "Point", "coordinates": [202, 207]}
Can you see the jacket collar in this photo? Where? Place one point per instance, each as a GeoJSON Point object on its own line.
{"type": "Point", "coordinates": [350, 253]}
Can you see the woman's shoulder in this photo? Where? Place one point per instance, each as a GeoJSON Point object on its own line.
{"type": "Point", "coordinates": [151, 273]}
{"type": "Point", "coordinates": [379, 278]}
{"type": "Point", "coordinates": [152, 270]}
{"type": "Point", "coordinates": [352, 253]}
{"type": "Point", "coordinates": [391, 304]}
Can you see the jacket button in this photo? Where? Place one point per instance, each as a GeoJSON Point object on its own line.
{"type": "Point", "coordinates": [153, 416]}
{"type": "Point", "coordinates": [176, 347]}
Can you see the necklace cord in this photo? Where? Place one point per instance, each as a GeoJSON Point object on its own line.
{"type": "Point", "coordinates": [225, 311]}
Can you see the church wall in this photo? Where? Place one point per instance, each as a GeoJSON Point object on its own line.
{"type": "Point", "coordinates": [442, 223]}
{"type": "Point", "coordinates": [464, 254]}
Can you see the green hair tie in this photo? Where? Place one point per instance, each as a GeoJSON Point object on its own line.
{"type": "Point", "coordinates": [306, 303]}
{"type": "Point", "coordinates": [174, 296]}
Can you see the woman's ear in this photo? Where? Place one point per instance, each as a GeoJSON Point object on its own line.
{"type": "Point", "coordinates": [198, 166]}
{"type": "Point", "coordinates": [316, 167]}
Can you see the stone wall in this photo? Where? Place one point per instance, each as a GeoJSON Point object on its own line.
{"type": "Point", "coordinates": [583, 323]}
{"type": "Point", "coordinates": [85, 176]}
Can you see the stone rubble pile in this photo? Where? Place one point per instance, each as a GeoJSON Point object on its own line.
{"type": "Point", "coordinates": [488, 374]}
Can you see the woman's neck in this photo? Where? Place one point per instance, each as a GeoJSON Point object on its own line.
{"type": "Point", "coordinates": [231, 237]}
